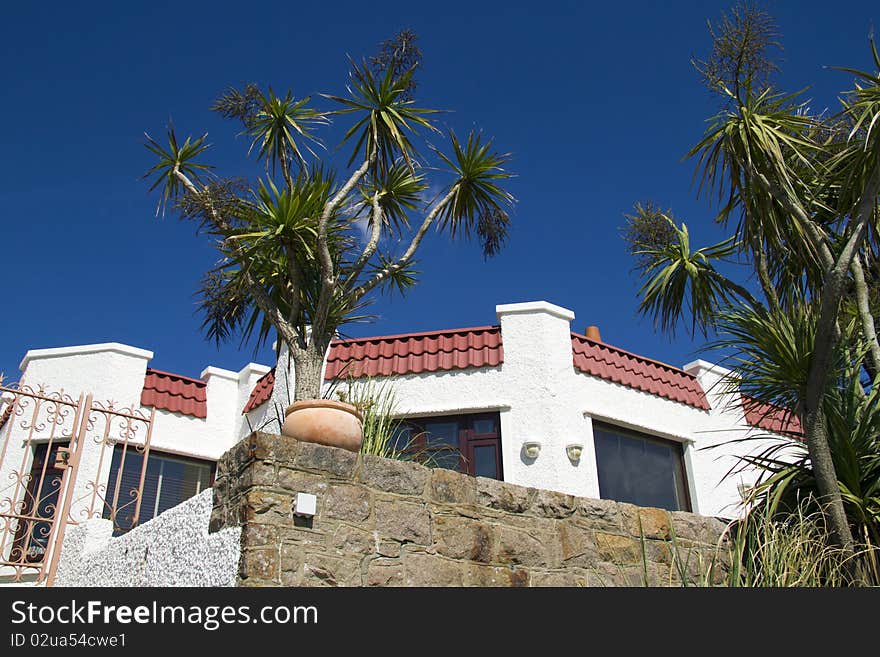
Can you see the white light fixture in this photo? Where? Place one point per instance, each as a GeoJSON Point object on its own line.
{"type": "Point", "coordinates": [532, 448]}
{"type": "Point", "coordinates": [306, 505]}
{"type": "Point", "coordinates": [574, 451]}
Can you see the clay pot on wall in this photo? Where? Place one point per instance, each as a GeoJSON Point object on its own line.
{"type": "Point", "coordinates": [325, 422]}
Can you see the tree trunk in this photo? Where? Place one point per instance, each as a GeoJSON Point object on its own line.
{"type": "Point", "coordinates": [764, 278]}
{"type": "Point", "coordinates": [308, 363]}
{"type": "Point", "coordinates": [816, 433]}
{"type": "Point", "coordinates": [864, 305]}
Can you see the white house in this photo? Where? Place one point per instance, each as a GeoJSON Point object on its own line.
{"type": "Point", "coordinates": [526, 400]}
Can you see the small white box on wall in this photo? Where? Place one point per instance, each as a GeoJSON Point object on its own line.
{"type": "Point", "coordinates": [306, 504]}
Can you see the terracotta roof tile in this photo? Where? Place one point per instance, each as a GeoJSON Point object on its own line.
{"type": "Point", "coordinates": [261, 392]}
{"type": "Point", "coordinates": [651, 376]}
{"type": "Point", "coordinates": [770, 417]}
{"type": "Point", "coordinates": [437, 351]}
{"type": "Point", "coordinates": [414, 353]}
{"type": "Point", "coordinates": [176, 393]}
{"type": "Point", "coordinates": [409, 353]}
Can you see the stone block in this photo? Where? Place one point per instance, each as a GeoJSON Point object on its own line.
{"type": "Point", "coordinates": [520, 547]}
{"type": "Point", "coordinates": [257, 473]}
{"type": "Point", "coordinates": [272, 447]}
{"type": "Point", "coordinates": [601, 514]}
{"type": "Point", "coordinates": [254, 535]}
{"type": "Point", "coordinates": [421, 569]}
{"type": "Point", "coordinates": [221, 490]}
{"type": "Point", "coordinates": [346, 502]}
{"type": "Point", "coordinates": [615, 574]}
{"type": "Point", "coordinates": [235, 459]}
{"type": "Point", "coordinates": [645, 521]}
{"type": "Point", "coordinates": [306, 538]}
{"type": "Point", "coordinates": [618, 549]}
{"type": "Point", "coordinates": [699, 529]}
{"type": "Point", "coordinates": [450, 487]}
{"type": "Point", "coordinates": [387, 548]}
{"type": "Point", "coordinates": [218, 519]}
{"type": "Point", "coordinates": [260, 563]}
{"type": "Point", "coordinates": [352, 541]}
{"type": "Point", "coordinates": [323, 570]}
{"type": "Point", "coordinates": [406, 522]}
{"type": "Point", "coordinates": [550, 504]}
{"type": "Point", "coordinates": [479, 575]}
{"type": "Point", "coordinates": [504, 497]}
{"type": "Point", "coordinates": [291, 557]}
{"type": "Point", "coordinates": [660, 552]}
{"type": "Point", "coordinates": [401, 477]}
{"type": "Point", "coordinates": [463, 538]}
{"type": "Point", "coordinates": [298, 481]}
{"type": "Point", "coordinates": [577, 544]}
{"type": "Point", "coordinates": [655, 523]}
{"type": "Point", "coordinates": [385, 572]}
{"type": "Point", "coordinates": [321, 458]}
{"type": "Point", "coordinates": [267, 507]}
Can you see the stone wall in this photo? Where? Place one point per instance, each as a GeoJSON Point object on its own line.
{"type": "Point", "coordinates": [381, 522]}
{"type": "Point", "coordinates": [172, 549]}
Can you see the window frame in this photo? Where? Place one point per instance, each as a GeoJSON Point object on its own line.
{"type": "Point", "coordinates": [677, 448]}
{"type": "Point", "coordinates": [468, 438]}
{"type": "Point", "coordinates": [158, 454]}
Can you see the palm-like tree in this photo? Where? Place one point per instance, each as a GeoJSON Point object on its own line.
{"type": "Point", "coordinates": [772, 359]}
{"type": "Point", "coordinates": [800, 193]}
{"type": "Point", "coordinates": [292, 256]}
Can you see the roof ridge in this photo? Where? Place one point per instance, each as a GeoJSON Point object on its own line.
{"type": "Point", "coordinates": [151, 370]}
{"type": "Point", "coordinates": [418, 334]}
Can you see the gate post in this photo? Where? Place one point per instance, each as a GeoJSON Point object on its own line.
{"type": "Point", "coordinates": [67, 483]}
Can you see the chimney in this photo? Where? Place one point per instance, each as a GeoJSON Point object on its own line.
{"type": "Point", "coordinates": [592, 333]}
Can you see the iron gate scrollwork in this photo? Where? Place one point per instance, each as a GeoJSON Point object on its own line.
{"type": "Point", "coordinates": [55, 459]}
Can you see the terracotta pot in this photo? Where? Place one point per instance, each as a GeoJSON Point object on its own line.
{"type": "Point", "coordinates": [325, 422]}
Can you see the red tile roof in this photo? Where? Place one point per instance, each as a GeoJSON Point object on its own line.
{"type": "Point", "coordinates": [176, 393]}
{"type": "Point", "coordinates": [414, 353]}
{"type": "Point", "coordinates": [612, 364]}
{"type": "Point", "coordinates": [770, 417]}
{"type": "Point", "coordinates": [409, 353]}
{"type": "Point", "coordinates": [434, 351]}
{"type": "Point", "coordinates": [261, 392]}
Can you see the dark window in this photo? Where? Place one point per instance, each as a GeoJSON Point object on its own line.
{"type": "Point", "coordinates": [168, 481]}
{"type": "Point", "coordinates": [467, 443]}
{"type": "Point", "coordinates": [40, 501]}
{"type": "Point", "coordinates": [640, 469]}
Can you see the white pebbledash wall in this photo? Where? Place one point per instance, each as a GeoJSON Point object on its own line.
{"type": "Point", "coordinates": [536, 390]}
{"type": "Point", "coordinates": [172, 549]}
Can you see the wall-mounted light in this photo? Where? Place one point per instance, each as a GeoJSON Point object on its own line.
{"type": "Point", "coordinates": [574, 451]}
{"type": "Point", "coordinates": [532, 448]}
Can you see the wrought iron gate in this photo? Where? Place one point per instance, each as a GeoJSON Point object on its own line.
{"type": "Point", "coordinates": [55, 459]}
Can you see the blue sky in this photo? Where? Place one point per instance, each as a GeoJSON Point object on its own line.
{"type": "Point", "coordinates": [598, 103]}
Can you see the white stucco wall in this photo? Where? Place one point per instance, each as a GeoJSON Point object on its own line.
{"type": "Point", "coordinates": [722, 439]}
{"type": "Point", "coordinates": [536, 390]}
{"type": "Point", "coordinates": [113, 372]}
{"type": "Point", "coordinates": [540, 396]}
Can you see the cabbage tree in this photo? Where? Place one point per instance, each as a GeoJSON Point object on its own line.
{"type": "Point", "coordinates": [304, 248]}
{"type": "Point", "coordinates": [798, 193]}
